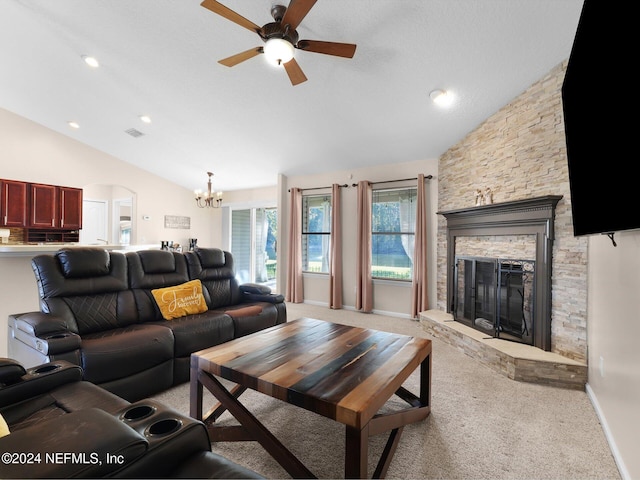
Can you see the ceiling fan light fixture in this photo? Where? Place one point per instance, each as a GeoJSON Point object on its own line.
{"type": "Point", "coordinates": [278, 51]}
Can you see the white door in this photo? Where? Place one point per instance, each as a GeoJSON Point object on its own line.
{"type": "Point", "coordinates": [94, 222]}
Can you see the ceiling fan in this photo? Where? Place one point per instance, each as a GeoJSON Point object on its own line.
{"type": "Point", "coordinates": [280, 37]}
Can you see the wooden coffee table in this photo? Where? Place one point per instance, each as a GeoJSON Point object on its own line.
{"type": "Point", "coordinates": [344, 373]}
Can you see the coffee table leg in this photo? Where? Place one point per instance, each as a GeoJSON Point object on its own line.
{"type": "Point", "coordinates": [256, 430]}
{"type": "Point", "coordinates": [425, 381]}
{"type": "Point", "coordinates": [387, 454]}
{"type": "Point", "coordinates": [195, 392]}
{"type": "Point", "coordinates": [356, 455]}
{"type": "Point", "coordinates": [357, 441]}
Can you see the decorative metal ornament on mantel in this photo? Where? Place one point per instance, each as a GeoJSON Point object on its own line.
{"type": "Point", "coordinates": [208, 199]}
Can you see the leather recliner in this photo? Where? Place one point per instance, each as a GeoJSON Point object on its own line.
{"type": "Point", "coordinates": [89, 317]}
{"type": "Point", "coordinates": [63, 427]}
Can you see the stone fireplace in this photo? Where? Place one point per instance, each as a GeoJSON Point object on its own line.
{"type": "Point", "coordinates": [499, 227]}
{"type": "Point", "coordinates": [499, 269]}
{"type": "Point", "coordinates": [518, 152]}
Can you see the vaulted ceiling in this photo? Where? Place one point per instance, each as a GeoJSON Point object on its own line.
{"type": "Point", "coordinates": [247, 124]}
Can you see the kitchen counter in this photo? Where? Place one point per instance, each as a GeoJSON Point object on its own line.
{"type": "Point", "coordinates": [18, 250]}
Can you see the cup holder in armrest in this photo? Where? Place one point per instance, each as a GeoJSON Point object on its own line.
{"type": "Point", "coordinates": [163, 427]}
{"type": "Point", "coordinates": [45, 369]}
{"type": "Point", "coordinates": [171, 437]}
{"type": "Point", "coordinates": [137, 413]}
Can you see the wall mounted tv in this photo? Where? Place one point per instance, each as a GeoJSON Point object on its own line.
{"type": "Point", "coordinates": [600, 103]}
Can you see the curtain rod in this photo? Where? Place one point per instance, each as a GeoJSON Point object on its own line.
{"type": "Point", "coordinates": [321, 188]}
{"type": "Point", "coordinates": [426, 177]}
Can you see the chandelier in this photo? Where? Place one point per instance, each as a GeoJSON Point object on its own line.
{"type": "Point", "coordinates": [208, 199]}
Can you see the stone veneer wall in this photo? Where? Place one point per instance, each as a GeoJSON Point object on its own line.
{"type": "Point", "coordinates": [520, 152]}
{"type": "Point", "coordinates": [514, 247]}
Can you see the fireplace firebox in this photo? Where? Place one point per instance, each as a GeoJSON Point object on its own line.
{"type": "Point", "coordinates": [496, 296]}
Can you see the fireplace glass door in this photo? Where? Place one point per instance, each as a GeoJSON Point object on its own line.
{"type": "Point", "coordinates": [476, 290]}
{"type": "Point", "coordinates": [495, 296]}
{"type": "Point", "coordinates": [516, 294]}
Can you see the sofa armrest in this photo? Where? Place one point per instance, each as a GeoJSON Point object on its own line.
{"type": "Point", "coordinates": [37, 323]}
{"type": "Point", "coordinates": [256, 288]}
{"type": "Point", "coordinates": [11, 371]}
{"type": "Point", "coordinates": [45, 333]}
{"type": "Point", "coordinates": [39, 380]}
{"type": "Point", "coordinates": [256, 297]}
{"type": "Point", "coordinates": [87, 443]}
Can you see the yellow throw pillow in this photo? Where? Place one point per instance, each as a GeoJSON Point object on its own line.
{"type": "Point", "coordinates": [180, 300]}
{"type": "Point", "coordinates": [4, 428]}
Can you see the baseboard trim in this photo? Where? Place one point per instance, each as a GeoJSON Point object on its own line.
{"type": "Point", "coordinates": [624, 473]}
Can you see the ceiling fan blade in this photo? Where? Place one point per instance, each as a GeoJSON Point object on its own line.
{"type": "Point", "coordinates": [296, 11]}
{"type": "Point", "coordinates": [229, 14]}
{"type": "Point", "coordinates": [346, 50]}
{"type": "Point", "coordinates": [295, 72]}
{"type": "Point", "coordinates": [241, 57]}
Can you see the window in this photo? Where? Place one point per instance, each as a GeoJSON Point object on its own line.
{"type": "Point", "coordinates": [316, 233]}
{"type": "Point", "coordinates": [253, 235]}
{"type": "Point", "coordinates": [393, 226]}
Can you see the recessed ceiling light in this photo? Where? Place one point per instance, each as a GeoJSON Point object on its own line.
{"type": "Point", "coordinates": [441, 97]}
{"type": "Point", "coordinates": [145, 118]}
{"type": "Point", "coordinates": [74, 125]}
{"type": "Point", "coordinates": [91, 61]}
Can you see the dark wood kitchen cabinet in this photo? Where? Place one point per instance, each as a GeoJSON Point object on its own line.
{"type": "Point", "coordinates": [44, 206]}
{"type": "Point", "coordinates": [55, 207]}
{"type": "Point", "coordinates": [70, 208]}
{"type": "Point", "coordinates": [13, 203]}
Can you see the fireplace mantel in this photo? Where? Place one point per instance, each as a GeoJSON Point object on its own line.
{"type": "Point", "coordinates": [534, 216]}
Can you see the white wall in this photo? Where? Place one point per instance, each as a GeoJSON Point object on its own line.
{"type": "Point", "coordinates": [613, 336]}
{"type": "Point", "coordinates": [392, 298]}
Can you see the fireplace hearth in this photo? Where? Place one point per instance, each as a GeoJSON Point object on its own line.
{"type": "Point", "coordinates": [523, 313]}
{"type": "Point", "coordinates": [496, 296]}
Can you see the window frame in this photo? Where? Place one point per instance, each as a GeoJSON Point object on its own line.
{"type": "Point", "coordinates": [325, 233]}
{"type": "Point", "coordinates": [412, 193]}
{"type": "Point", "coordinates": [247, 255]}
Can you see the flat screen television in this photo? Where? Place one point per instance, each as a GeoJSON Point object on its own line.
{"type": "Point", "coordinates": [599, 100]}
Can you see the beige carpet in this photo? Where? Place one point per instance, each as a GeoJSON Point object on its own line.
{"type": "Point", "coordinates": [482, 425]}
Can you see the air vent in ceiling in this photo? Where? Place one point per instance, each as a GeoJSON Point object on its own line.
{"type": "Point", "coordinates": [134, 133]}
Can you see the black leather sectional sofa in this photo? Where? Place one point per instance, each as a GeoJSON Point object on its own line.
{"type": "Point", "coordinates": [62, 427]}
{"type": "Point", "coordinates": [98, 311]}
